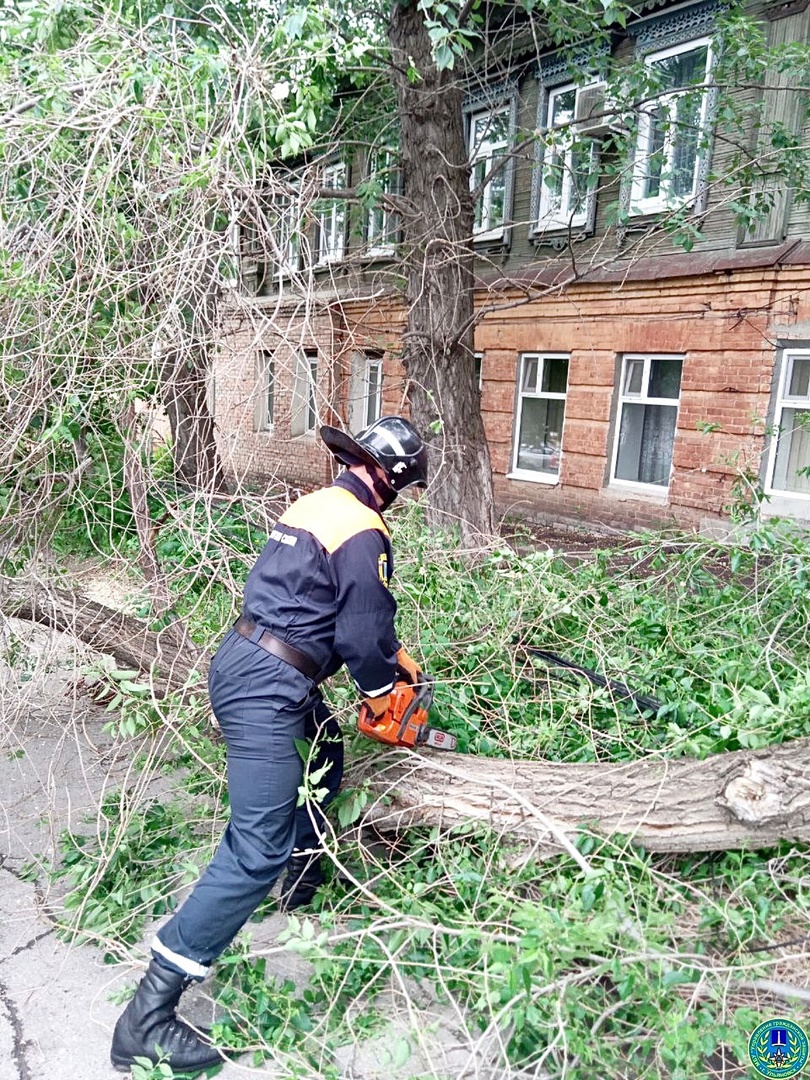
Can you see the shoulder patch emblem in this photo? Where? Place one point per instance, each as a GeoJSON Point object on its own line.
{"type": "Point", "coordinates": [382, 568]}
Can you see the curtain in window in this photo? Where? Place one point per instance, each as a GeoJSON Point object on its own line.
{"type": "Point", "coordinates": [646, 438]}
{"type": "Point", "coordinates": [793, 452]}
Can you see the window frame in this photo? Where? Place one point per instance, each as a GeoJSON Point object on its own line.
{"type": "Point", "coordinates": [287, 219]}
{"type": "Point", "coordinates": [304, 412]}
{"type": "Point", "coordinates": [331, 216]}
{"type": "Point", "coordinates": [382, 161]}
{"type": "Point", "coordinates": [373, 397]}
{"type": "Point", "coordinates": [661, 490]}
{"type": "Point", "coordinates": [489, 232]}
{"type": "Point", "coordinates": [783, 400]}
{"type": "Point", "coordinates": [362, 403]}
{"type": "Point", "coordinates": [266, 381]}
{"type": "Point", "coordinates": [642, 205]}
{"type": "Point", "coordinates": [583, 221]}
{"type": "Point", "coordinates": [536, 475]}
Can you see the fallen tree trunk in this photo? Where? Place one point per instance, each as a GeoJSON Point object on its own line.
{"type": "Point", "coordinates": [168, 657]}
{"type": "Point", "coordinates": [748, 799]}
{"type": "Point", "coordinates": [742, 799]}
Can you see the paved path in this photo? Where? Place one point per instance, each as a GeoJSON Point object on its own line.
{"type": "Point", "coordinates": [56, 1016]}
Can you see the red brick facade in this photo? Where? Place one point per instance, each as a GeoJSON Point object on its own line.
{"type": "Point", "coordinates": [726, 324]}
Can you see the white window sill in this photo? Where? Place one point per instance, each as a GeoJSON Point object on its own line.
{"type": "Point", "coordinates": [649, 207]}
{"type": "Point", "coordinates": [488, 235]}
{"type": "Point", "coordinates": [784, 504]}
{"type": "Point", "coordinates": [557, 226]}
{"type": "Point", "coordinates": [534, 477]}
{"type": "Point", "coordinates": [626, 489]}
{"type": "Point", "coordinates": [380, 253]}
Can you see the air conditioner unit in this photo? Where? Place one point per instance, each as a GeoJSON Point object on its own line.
{"type": "Point", "coordinates": [592, 111]}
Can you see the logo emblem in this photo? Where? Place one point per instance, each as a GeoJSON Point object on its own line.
{"type": "Point", "coordinates": [382, 568]}
{"type": "Point", "coordinates": [399, 467]}
{"type": "Point", "coordinates": [778, 1049]}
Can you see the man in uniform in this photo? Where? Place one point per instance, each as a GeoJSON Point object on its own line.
{"type": "Point", "coordinates": [317, 598]}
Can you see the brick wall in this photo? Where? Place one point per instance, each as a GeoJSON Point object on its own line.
{"type": "Point", "coordinates": [725, 325]}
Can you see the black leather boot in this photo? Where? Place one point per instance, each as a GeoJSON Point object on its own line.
{"type": "Point", "coordinates": [304, 878]}
{"type": "Point", "coordinates": [149, 1020]}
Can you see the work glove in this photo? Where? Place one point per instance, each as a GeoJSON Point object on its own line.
{"type": "Point", "coordinates": [378, 705]}
{"type": "Point", "coordinates": [408, 667]}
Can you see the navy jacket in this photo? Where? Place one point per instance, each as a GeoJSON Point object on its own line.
{"type": "Point", "coordinates": [321, 584]}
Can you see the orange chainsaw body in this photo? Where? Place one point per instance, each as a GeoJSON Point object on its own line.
{"type": "Point", "coordinates": [405, 721]}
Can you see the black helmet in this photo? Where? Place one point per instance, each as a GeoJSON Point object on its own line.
{"type": "Point", "coordinates": [391, 442]}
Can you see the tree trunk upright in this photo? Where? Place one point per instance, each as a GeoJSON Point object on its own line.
{"type": "Point", "coordinates": [437, 221]}
{"type": "Point", "coordinates": [184, 377]}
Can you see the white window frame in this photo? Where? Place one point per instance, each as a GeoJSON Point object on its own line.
{"type": "Point", "coordinates": [488, 151]}
{"type": "Point", "coordinates": [373, 394]}
{"type": "Point", "coordinates": [304, 418]}
{"type": "Point", "coordinates": [331, 217]}
{"type": "Point", "coordinates": [643, 399]}
{"type": "Point", "coordinates": [365, 396]}
{"type": "Point", "coordinates": [664, 200]}
{"type": "Point", "coordinates": [286, 233]}
{"type": "Point", "coordinates": [266, 383]}
{"type": "Point", "coordinates": [537, 475]}
{"type": "Point", "coordinates": [232, 256]}
{"type": "Point", "coordinates": [784, 400]}
{"type": "Point", "coordinates": [548, 219]}
{"type": "Point", "coordinates": [380, 219]}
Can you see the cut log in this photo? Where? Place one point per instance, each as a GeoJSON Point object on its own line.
{"type": "Point", "coordinates": [742, 799]}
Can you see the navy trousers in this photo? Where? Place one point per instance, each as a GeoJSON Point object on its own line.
{"type": "Point", "coordinates": [262, 705]}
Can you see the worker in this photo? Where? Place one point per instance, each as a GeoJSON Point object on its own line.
{"type": "Point", "coordinates": [316, 598]}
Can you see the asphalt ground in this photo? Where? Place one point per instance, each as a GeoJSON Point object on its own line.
{"type": "Point", "coordinates": [56, 1009]}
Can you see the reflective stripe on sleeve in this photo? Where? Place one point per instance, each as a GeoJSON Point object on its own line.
{"type": "Point", "coordinates": [376, 693]}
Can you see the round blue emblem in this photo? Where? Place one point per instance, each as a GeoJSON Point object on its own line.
{"type": "Point", "coordinates": [778, 1049]}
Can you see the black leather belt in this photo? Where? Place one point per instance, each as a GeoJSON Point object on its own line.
{"type": "Point", "coordinates": [276, 647]}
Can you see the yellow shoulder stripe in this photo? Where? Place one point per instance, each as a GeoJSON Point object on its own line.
{"type": "Point", "coordinates": [332, 515]}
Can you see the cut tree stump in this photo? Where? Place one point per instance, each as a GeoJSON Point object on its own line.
{"type": "Point", "coordinates": [744, 799]}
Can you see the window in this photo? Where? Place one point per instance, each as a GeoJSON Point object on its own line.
{"type": "Point", "coordinates": [789, 466]}
{"type": "Point", "coordinates": [381, 228]}
{"type": "Point", "coordinates": [266, 383]}
{"type": "Point", "coordinates": [285, 232]}
{"type": "Point", "coordinates": [567, 163]}
{"type": "Point", "coordinates": [305, 405]}
{"type": "Point", "coordinates": [365, 397]}
{"type": "Point", "coordinates": [541, 412]}
{"type": "Point", "coordinates": [331, 217]}
{"type": "Point", "coordinates": [373, 391]}
{"type": "Point", "coordinates": [672, 128]}
{"type": "Point", "coordinates": [649, 393]}
{"type": "Point", "coordinates": [489, 139]}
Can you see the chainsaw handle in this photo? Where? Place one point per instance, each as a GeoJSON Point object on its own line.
{"type": "Point", "coordinates": [422, 698]}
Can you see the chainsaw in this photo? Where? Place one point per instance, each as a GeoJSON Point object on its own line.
{"type": "Point", "coordinates": [405, 721]}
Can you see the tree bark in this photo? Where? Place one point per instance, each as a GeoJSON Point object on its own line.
{"type": "Point", "coordinates": [744, 799]}
{"type": "Point", "coordinates": [168, 657]}
{"type": "Point", "coordinates": [184, 385]}
{"type": "Point", "coordinates": [437, 225]}
{"type": "Point", "coordinates": [136, 482]}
